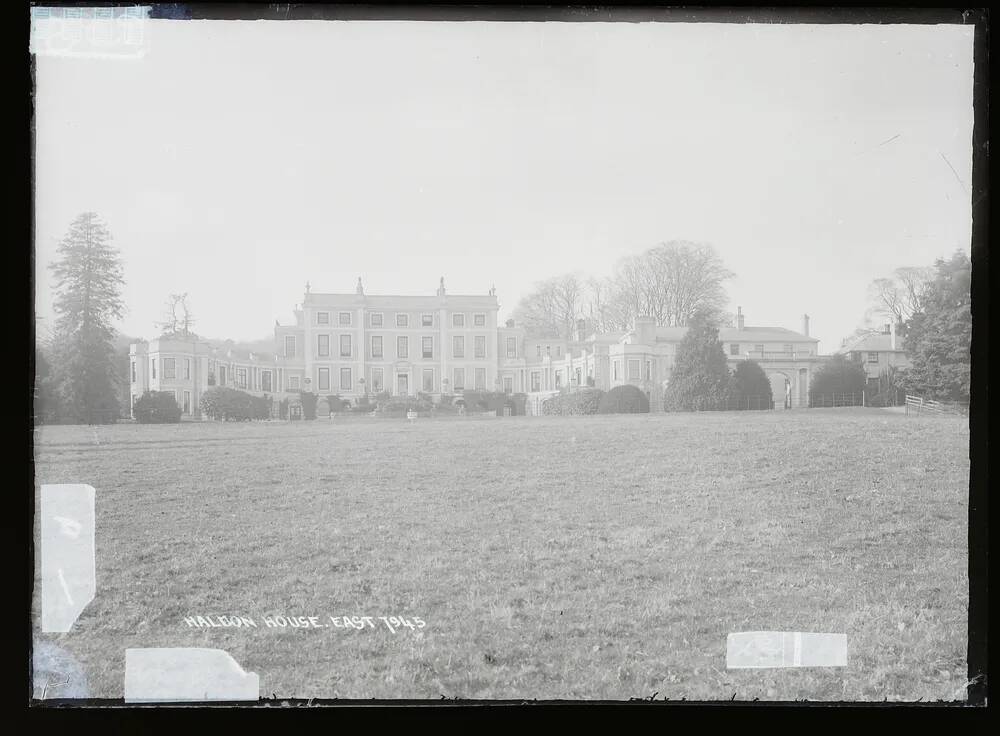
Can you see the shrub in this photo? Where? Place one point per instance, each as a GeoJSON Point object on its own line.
{"type": "Point", "coordinates": [837, 376]}
{"type": "Point", "coordinates": [625, 399]}
{"type": "Point", "coordinates": [227, 404]}
{"type": "Point", "coordinates": [337, 404]}
{"type": "Point", "coordinates": [283, 409]}
{"type": "Point", "coordinates": [485, 401]}
{"type": "Point", "coordinates": [157, 407]}
{"type": "Point", "coordinates": [399, 405]}
{"type": "Point", "coordinates": [519, 403]}
{"type": "Point", "coordinates": [584, 401]}
{"type": "Point", "coordinates": [309, 401]}
{"type": "Point", "coordinates": [749, 387]}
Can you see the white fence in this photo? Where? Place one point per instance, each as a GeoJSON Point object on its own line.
{"type": "Point", "coordinates": [917, 405]}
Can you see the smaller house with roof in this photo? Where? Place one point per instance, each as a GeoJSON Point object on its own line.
{"type": "Point", "coordinates": [877, 352]}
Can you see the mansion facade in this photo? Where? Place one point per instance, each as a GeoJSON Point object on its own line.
{"type": "Point", "coordinates": [355, 345]}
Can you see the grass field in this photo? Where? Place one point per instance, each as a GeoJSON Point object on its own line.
{"type": "Point", "coordinates": [553, 557]}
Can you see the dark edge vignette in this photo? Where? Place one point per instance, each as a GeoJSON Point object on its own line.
{"type": "Point", "coordinates": [978, 507]}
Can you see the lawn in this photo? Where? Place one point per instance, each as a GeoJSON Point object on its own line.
{"type": "Point", "coordinates": [553, 557]}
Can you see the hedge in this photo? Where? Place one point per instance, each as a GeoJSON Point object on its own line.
{"type": "Point", "coordinates": [231, 405]}
{"type": "Point", "coordinates": [584, 401]}
{"type": "Point", "coordinates": [625, 399]}
{"type": "Point", "coordinates": [157, 407]}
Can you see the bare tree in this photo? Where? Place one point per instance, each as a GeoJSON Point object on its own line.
{"type": "Point", "coordinates": [670, 283]}
{"type": "Point", "coordinates": [553, 307]}
{"type": "Point", "coordinates": [899, 296]}
{"type": "Point", "coordinates": [172, 323]}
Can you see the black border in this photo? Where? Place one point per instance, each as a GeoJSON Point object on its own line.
{"type": "Point", "coordinates": [734, 13]}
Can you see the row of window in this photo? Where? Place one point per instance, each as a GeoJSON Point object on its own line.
{"type": "Point", "coordinates": [402, 379]}
{"type": "Point", "coordinates": [376, 319]}
{"type": "Point", "coordinates": [169, 368]}
{"type": "Point", "coordinates": [402, 346]}
{"type": "Point", "coordinates": [632, 370]}
{"type": "Point", "coordinates": [734, 348]}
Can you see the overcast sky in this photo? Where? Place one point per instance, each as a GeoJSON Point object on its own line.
{"type": "Point", "coordinates": [236, 160]}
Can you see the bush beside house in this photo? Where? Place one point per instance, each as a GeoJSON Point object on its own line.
{"type": "Point", "coordinates": [625, 399]}
{"type": "Point", "coordinates": [584, 401]}
{"type": "Point", "coordinates": [231, 405]}
{"type": "Point", "coordinates": [157, 407]}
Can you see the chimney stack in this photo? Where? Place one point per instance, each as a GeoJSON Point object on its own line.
{"type": "Point", "coordinates": [581, 330]}
{"type": "Point", "coordinates": [739, 318]}
{"type": "Point", "coordinates": [805, 325]}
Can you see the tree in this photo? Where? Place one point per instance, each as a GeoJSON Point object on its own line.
{"type": "Point", "coordinates": [939, 335]}
{"type": "Point", "coordinates": [88, 281]}
{"type": "Point", "coordinates": [157, 407]}
{"type": "Point", "coordinates": [749, 387]}
{"type": "Point", "coordinates": [174, 324]}
{"type": "Point", "coordinates": [552, 309]}
{"type": "Point", "coordinates": [900, 296]}
{"type": "Point", "coordinates": [670, 283]}
{"type": "Point", "coordinates": [701, 374]}
{"type": "Point", "coordinates": [837, 376]}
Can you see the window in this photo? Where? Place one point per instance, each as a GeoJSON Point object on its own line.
{"type": "Point", "coordinates": [538, 351]}
{"type": "Point", "coordinates": [787, 348]}
{"type": "Point", "coordinates": [479, 320]}
{"type": "Point", "coordinates": [428, 379]}
{"type": "Point", "coordinates": [548, 350]}
{"type": "Point", "coordinates": [872, 358]}
{"type": "Point", "coordinates": [427, 347]}
{"type": "Point", "coordinates": [377, 379]}
{"type": "Point", "coordinates": [323, 346]}
{"type": "Point", "coordinates": [402, 320]}
{"type": "Point", "coordinates": [426, 320]}
{"type": "Point", "coordinates": [222, 375]}
{"type": "Point", "coordinates": [460, 379]}
{"type": "Point", "coordinates": [265, 381]}
{"type": "Point", "coordinates": [577, 376]}
{"type": "Point", "coordinates": [376, 346]}
{"type": "Point", "coordinates": [458, 320]}
{"type": "Point", "coordinates": [734, 348]}
{"type": "Point", "coordinates": [615, 371]}
{"type": "Point", "coordinates": [153, 364]}
{"type": "Point", "coordinates": [187, 402]}
{"type": "Point", "coordinates": [345, 346]}
{"type": "Point", "coordinates": [293, 383]}
{"type": "Point", "coordinates": [402, 347]}
{"type": "Point", "coordinates": [459, 346]}
{"type": "Point", "coordinates": [324, 379]}
{"type": "Point", "coordinates": [241, 377]}
{"type": "Point", "coordinates": [508, 385]}
{"type": "Point", "coordinates": [480, 379]}
{"type": "Point", "coordinates": [511, 347]}
{"type": "Point", "coordinates": [480, 346]}
{"type": "Point", "coordinates": [187, 368]}
{"type": "Point", "coordinates": [322, 318]}
{"type": "Point", "coordinates": [133, 371]}
{"type": "Point", "coordinates": [375, 319]}
{"type": "Point", "coordinates": [289, 346]}
{"type": "Point", "coordinates": [169, 368]}
{"type": "Point", "coordinates": [633, 370]}
{"type": "Point", "coordinates": [345, 379]}
{"type": "Point", "coordinates": [759, 349]}
{"type": "Point", "coordinates": [535, 381]}
{"type": "Point", "coordinates": [345, 319]}
{"type": "Point", "coordinates": [558, 350]}
{"type": "Point", "coordinates": [649, 370]}
{"type": "Point", "coordinates": [558, 379]}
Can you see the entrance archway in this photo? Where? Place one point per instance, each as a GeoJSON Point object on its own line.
{"type": "Point", "coordinates": [781, 389]}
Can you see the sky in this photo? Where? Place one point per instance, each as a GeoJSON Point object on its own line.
{"type": "Point", "coordinates": [236, 160]}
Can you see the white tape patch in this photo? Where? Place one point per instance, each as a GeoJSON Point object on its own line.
{"type": "Point", "coordinates": [168, 675]}
{"type": "Point", "coordinates": [69, 573]}
{"type": "Point", "coordinates": [759, 649]}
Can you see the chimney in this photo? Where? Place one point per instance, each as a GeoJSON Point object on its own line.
{"type": "Point", "coordinates": [739, 318]}
{"type": "Point", "coordinates": [892, 335]}
{"type": "Point", "coordinates": [440, 291]}
{"type": "Point", "coordinates": [805, 325]}
{"type": "Point", "coordinates": [645, 330]}
{"type": "Point", "coordinates": [581, 330]}
{"type": "Point", "coordinates": [887, 330]}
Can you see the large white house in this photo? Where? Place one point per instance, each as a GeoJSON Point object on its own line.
{"type": "Point", "coordinates": [357, 344]}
